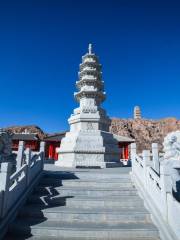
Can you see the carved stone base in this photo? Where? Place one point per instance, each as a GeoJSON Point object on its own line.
{"type": "Point", "coordinates": [65, 160]}
{"type": "Point", "coordinates": [80, 160]}
{"type": "Point", "coordinates": [88, 149]}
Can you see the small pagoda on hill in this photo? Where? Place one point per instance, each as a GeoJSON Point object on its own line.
{"type": "Point", "coordinates": [89, 142]}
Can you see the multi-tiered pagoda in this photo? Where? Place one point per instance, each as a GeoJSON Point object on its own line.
{"type": "Point", "coordinates": [89, 142]}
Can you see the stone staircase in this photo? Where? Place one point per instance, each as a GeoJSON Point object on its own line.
{"type": "Point", "coordinates": [84, 204]}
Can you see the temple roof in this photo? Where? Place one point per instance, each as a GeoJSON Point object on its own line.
{"type": "Point", "coordinates": [55, 137]}
{"type": "Point", "coordinates": [123, 139]}
{"type": "Point", "coordinates": [25, 136]}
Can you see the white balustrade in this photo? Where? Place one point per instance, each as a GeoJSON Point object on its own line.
{"type": "Point", "coordinates": [14, 186]}
{"type": "Point", "coordinates": [154, 180]}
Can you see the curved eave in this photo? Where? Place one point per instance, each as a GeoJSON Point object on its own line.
{"type": "Point", "coordinates": [90, 81]}
{"type": "Point", "coordinates": [100, 95]}
{"type": "Point", "coordinates": [90, 75]}
{"type": "Point", "coordinates": [90, 64]}
{"type": "Point", "coordinates": [82, 82]}
{"type": "Point", "coordinates": [90, 71]}
{"type": "Point", "coordinates": [87, 56]}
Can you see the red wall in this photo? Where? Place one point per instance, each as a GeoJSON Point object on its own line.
{"type": "Point", "coordinates": [50, 151]}
{"type": "Point", "coordinates": [33, 145]}
{"type": "Point", "coordinates": [124, 150]}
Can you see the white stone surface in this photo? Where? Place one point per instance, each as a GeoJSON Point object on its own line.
{"type": "Point", "coordinates": [172, 146]}
{"type": "Point", "coordinates": [158, 184]}
{"type": "Point", "coordinates": [89, 142]}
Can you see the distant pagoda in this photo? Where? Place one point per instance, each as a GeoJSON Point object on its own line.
{"type": "Point", "coordinates": [89, 142]}
{"type": "Point", "coordinates": [137, 112]}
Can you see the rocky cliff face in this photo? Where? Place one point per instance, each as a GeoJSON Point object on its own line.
{"type": "Point", "coordinates": [145, 131]}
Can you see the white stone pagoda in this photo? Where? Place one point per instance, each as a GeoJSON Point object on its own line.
{"type": "Point", "coordinates": [137, 112]}
{"type": "Point", "coordinates": [89, 142]}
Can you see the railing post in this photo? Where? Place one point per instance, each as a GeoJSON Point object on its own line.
{"type": "Point", "coordinates": [6, 169]}
{"type": "Point", "coordinates": [155, 157]}
{"type": "Point", "coordinates": [28, 162]}
{"type": "Point", "coordinates": [146, 158]}
{"type": "Point", "coordinates": [42, 151]}
{"type": "Point", "coordinates": [166, 186]}
{"type": "Point", "coordinates": [5, 173]}
{"type": "Point", "coordinates": [20, 154]}
{"type": "Point", "coordinates": [42, 146]}
{"type": "Point", "coordinates": [146, 155]}
{"type": "Point", "coordinates": [133, 158]}
{"type": "Point", "coordinates": [133, 152]}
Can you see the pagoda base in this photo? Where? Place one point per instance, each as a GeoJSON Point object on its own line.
{"type": "Point", "coordinates": [85, 160]}
{"type": "Point", "coordinates": [88, 149]}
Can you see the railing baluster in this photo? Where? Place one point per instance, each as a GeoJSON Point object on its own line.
{"type": "Point", "coordinates": [28, 162]}
{"type": "Point", "coordinates": [155, 157]}
{"type": "Point", "coordinates": [6, 171]}
{"type": "Point", "coordinates": [19, 159]}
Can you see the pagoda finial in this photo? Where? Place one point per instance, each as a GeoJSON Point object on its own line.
{"type": "Point", "coordinates": [90, 48]}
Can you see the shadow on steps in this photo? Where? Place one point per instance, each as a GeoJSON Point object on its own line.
{"type": "Point", "coordinates": [47, 197]}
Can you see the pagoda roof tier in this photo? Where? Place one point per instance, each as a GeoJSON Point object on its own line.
{"type": "Point", "coordinates": [90, 70]}
{"type": "Point", "coordinates": [90, 64]}
{"type": "Point", "coordinates": [90, 73]}
{"type": "Point", "coordinates": [89, 77]}
{"type": "Point", "coordinates": [90, 58]}
{"type": "Point", "coordinates": [90, 94]}
{"type": "Point", "coordinates": [89, 82]}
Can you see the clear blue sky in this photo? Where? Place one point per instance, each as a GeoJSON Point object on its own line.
{"type": "Point", "coordinates": [41, 44]}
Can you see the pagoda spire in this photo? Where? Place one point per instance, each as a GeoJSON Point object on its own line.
{"type": "Point", "coordinates": [90, 48]}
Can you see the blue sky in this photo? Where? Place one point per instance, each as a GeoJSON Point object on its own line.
{"type": "Point", "coordinates": [42, 42]}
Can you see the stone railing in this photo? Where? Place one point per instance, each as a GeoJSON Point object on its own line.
{"type": "Point", "coordinates": [17, 182]}
{"type": "Point", "coordinates": [157, 180]}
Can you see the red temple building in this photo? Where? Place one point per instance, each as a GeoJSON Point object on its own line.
{"type": "Point", "coordinates": [124, 143]}
{"type": "Point", "coordinates": [31, 140]}
{"type": "Point", "coordinates": [53, 141]}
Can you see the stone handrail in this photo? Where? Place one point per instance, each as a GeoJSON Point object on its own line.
{"type": "Point", "coordinates": [154, 181]}
{"type": "Point", "coordinates": [15, 186]}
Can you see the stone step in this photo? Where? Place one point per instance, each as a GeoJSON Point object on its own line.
{"type": "Point", "coordinates": [12, 237]}
{"type": "Point", "coordinates": [87, 201]}
{"type": "Point", "coordinates": [65, 230]}
{"type": "Point", "coordinates": [92, 182]}
{"type": "Point", "coordinates": [80, 183]}
{"type": "Point", "coordinates": [100, 184]}
{"type": "Point", "coordinates": [108, 202]}
{"type": "Point", "coordinates": [73, 191]}
{"type": "Point", "coordinates": [84, 204]}
{"type": "Point", "coordinates": [87, 174]}
{"type": "Point", "coordinates": [43, 199]}
{"type": "Point", "coordinates": [96, 215]}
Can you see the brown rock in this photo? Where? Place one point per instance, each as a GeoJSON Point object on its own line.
{"type": "Point", "coordinates": [145, 131]}
{"type": "Point", "coordinates": [29, 128]}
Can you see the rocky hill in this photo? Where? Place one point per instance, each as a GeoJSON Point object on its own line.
{"type": "Point", "coordinates": [28, 128]}
{"type": "Point", "coordinates": [145, 131]}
